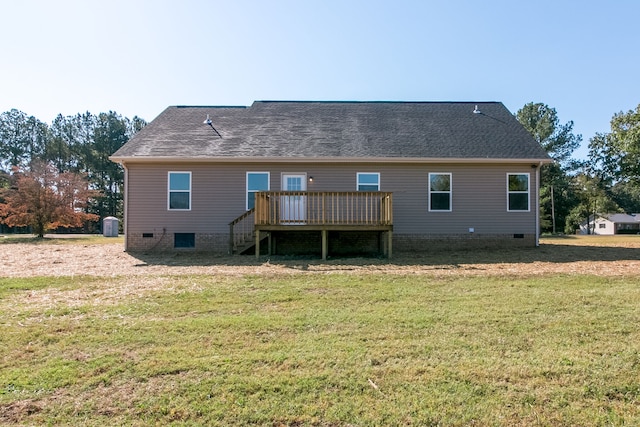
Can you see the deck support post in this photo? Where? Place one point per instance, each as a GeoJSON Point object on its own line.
{"type": "Point", "coordinates": [389, 243]}
{"type": "Point", "coordinates": [325, 244]}
{"type": "Point", "coordinates": [257, 243]}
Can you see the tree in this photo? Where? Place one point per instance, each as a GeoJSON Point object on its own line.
{"type": "Point", "coordinates": [4, 180]}
{"type": "Point", "coordinates": [557, 197]}
{"type": "Point", "coordinates": [615, 156]}
{"type": "Point", "coordinates": [110, 132]}
{"type": "Point", "coordinates": [78, 144]}
{"type": "Point", "coordinates": [557, 139]}
{"type": "Point", "coordinates": [593, 200]}
{"type": "Point", "coordinates": [45, 199]}
{"type": "Point", "coordinates": [59, 149]}
{"type": "Point", "coordinates": [627, 196]}
{"type": "Point", "coordinates": [22, 139]}
{"type": "Point", "coordinates": [83, 143]}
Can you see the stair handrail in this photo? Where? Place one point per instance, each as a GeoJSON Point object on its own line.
{"type": "Point", "coordinates": [239, 229]}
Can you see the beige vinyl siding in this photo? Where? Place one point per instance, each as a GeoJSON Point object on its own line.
{"type": "Point", "coordinates": [479, 195]}
{"type": "Point", "coordinates": [217, 197]}
{"type": "Point", "coordinates": [479, 201]}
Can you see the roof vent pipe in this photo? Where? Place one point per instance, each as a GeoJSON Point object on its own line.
{"type": "Point", "coordinates": [476, 111]}
{"type": "Point", "coordinates": [210, 123]}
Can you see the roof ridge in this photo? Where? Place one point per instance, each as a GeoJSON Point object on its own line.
{"type": "Point", "coordinates": [372, 102]}
{"type": "Point", "coordinates": [210, 106]}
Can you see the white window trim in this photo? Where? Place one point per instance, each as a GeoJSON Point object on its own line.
{"type": "Point", "coordinates": [246, 180]}
{"type": "Point", "coordinates": [528, 192]}
{"type": "Point", "coordinates": [169, 190]}
{"type": "Point", "coordinates": [441, 192]}
{"type": "Point", "coordinates": [366, 173]}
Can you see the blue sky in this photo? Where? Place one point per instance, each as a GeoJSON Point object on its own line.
{"type": "Point", "coordinates": [137, 57]}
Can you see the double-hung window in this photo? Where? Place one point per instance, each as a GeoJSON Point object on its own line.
{"type": "Point", "coordinates": [440, 192]}
{"type": "Point", "coordinates": [518, 192]}
{"type": "Point", "coordinates": [179, 189]}
{"type": "Point", "coordinates": [256, 181]}
{"type": "Point", "coordinates": [368, 181]}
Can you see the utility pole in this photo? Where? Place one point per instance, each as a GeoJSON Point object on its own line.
{"type": "Point", "coordinates": [553, 212]}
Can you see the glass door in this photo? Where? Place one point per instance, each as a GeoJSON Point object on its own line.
{"type": "Point", "coordinates": [293, 207]}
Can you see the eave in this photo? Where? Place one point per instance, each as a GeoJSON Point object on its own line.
{"type": "Point", "coordinates": [296, 160]}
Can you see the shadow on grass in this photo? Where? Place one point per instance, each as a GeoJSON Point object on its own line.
{"type": "Point", "coordinates": [560, 249]}
{"type": "Point", "coordinates": [547, 253]}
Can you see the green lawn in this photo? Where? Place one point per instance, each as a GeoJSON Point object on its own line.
{"type": "Point", "coordinates": [321, 349]}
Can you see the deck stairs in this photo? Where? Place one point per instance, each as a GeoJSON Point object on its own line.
{"type": "Point", "coordinates": [242, 236]}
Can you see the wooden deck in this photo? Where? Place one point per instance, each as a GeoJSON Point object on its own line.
{"type": "Point", "coordinates": [322, 211]}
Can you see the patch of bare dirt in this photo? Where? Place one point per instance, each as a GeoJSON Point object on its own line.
{"type": "Point", "coordinates": [16, 412]}
{"type": "Point", "coordinates": [606, 257]}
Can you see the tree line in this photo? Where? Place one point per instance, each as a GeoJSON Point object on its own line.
{"type": "Point", "coordinates": [60, 152]}
{"type": "Point", "coordinates": [575, 191]}
{"type": "Point", "coordinates": [572, 191]}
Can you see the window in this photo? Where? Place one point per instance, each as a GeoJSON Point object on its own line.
{"type": "Point", "coordinates": [368, 181]}
{"type": "Point", "coordinates": [256, 181]}
{"type": "Point", "coordinates": [518, 192]}
{"type": "Point", "coordinates": [440, 192]}
{"type": "Point", "coordinates": [179, 191]}
{"type": "Point", "coordinates": [184, 240]}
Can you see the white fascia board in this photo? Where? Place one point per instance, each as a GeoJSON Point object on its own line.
{"type": "Point", "coordinates": [440, 160]}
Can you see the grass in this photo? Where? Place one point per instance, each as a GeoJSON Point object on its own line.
{"type": "Point", "coordinates": [62, 239]}
{"type": "Point", "coordinates": [322, 349]}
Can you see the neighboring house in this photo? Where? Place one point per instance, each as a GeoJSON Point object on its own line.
{"type": "Point", "coordinates": [332, 178]}
{"type": "Point", "coordinates": [609, 224]}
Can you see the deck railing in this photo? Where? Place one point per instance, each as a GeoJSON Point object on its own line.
{"type": "Point", "coordinates": [319, 208]}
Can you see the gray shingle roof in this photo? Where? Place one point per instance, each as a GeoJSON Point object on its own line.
{"type": "Point", "coordinates": [623, 218]}
{"type": "Point", "coordinates": [331, 130]}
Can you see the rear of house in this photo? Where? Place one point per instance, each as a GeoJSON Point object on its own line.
{"type": "Point", "coordinates": [339, 178]}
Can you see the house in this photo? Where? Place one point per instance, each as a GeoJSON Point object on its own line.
{"type": "Point", "coordinates": [613, 223]}
{"type": "Point", "coordinates": [332, 178]}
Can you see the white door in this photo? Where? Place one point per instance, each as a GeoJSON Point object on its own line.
{"type": "Point", "coordinates": [293, 208]}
